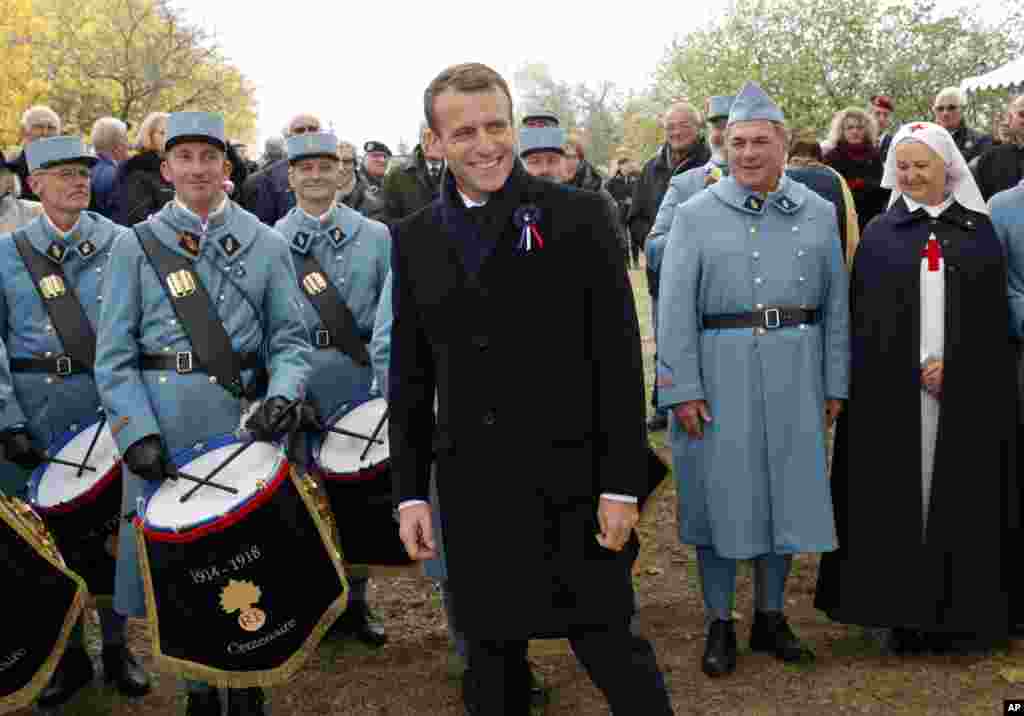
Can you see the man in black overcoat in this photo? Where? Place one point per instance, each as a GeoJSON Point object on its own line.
{"type": "Point", "coordinates": [509, 290]}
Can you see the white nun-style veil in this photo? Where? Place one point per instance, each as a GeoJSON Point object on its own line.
{"type": "Point", "coordinates": [960, 182]}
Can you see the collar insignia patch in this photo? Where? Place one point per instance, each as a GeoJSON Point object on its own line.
{"type": "Point", "coordinates": [189, 242]}
{"type": "Point", "coordinates": [301, 240]}
{"type": "Point", "coordinates": [86, 248]}
{"type": "Point", "coordinates": [337, 235]}
{"type": "Point", "coordinates": [230, 244]}
{"type": "Point", "coordinates": [56, 251]}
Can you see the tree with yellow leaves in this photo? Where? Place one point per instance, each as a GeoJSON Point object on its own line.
{"type": "Point", "coordinates": [19, 87]}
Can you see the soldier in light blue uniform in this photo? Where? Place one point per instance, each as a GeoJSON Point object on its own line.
{"type": "Point", "coordinates": [753, 361]}
{"type": "Point", "coordinates": [158, 398]}
{"type": "Point", "coordinates": [1007, 209]}
{"type": "Point", "coordinates": [354, 253]}
{"type": "Point", "coordinates": [680, 188]}
{"type": "Point", "coordinates": [42, 394]}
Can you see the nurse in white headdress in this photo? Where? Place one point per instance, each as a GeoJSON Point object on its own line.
{"type": "Point", "coordinates": [924, 484]}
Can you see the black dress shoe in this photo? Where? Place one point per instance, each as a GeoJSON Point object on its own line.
{"type": "Point", "coordinates": [73, 672]}
{"type": "Point", "coordinates": [658, 421]}
{"type": "Point", "coordinates": [206, 703]}
{"type": "Point", "coordinates": [122, 669]}
{"type": "Point", "coordinates": [359, 622]}
{"type": "Point", "coordinates": [246, 702]}
{"type": "Point", "coordinates": [720, 649]}
{"type": "Point", "coordinates": [771, 632]}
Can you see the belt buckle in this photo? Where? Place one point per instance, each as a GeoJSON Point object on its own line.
{"type": "Point", "coordinates": [767, 318]}
{"type": "Point", "coordinates": [323, 338]}
{"type": "Point", "coordinates": [64, 365]}
{"type": "Point", "coordinates": [183, 362]}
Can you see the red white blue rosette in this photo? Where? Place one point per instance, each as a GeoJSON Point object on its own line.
{"type": "Point", "coordinates": [526, 219]}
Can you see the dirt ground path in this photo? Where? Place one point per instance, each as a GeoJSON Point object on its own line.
{"type": "Point", "coordinates": [410, 674]}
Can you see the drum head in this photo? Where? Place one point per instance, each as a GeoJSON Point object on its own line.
{"type": "Point", "coordinates": [248, 474]}
{"type": "Point", "coordinates": [54, 485]}
{"type": "Point", "coordinates": [342, 454]}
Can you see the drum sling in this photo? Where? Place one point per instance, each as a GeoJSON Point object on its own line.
{"type": "Point", "coordinates": [341, 328]}
{"type": "Point", "coordinates": [66, 314]}
{"type": "Point", "coordinates": [196, 313]}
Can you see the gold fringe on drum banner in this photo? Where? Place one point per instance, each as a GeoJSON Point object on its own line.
{"type": "Point", "coordinates": [17, 515]}
{"type": "Point", "coordinates": [322, 516]}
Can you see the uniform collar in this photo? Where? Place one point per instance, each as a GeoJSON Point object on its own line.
{"type": "Point", "coordinates": [190, 232]}
{"type": "Point", "coordinates": [83, 240]}
{"type": "Point", "coordinates": [932, 211]}
{"type": "Point", "coordinates": [338, 225]}
{"type": "Point", "coordinates": [788, 197]}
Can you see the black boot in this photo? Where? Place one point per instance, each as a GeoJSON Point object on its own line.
{"type": "Point", "coordinates": [246, 702]}
{"type": "Point", "coordinates": [73, 672]}
{"type": "Point", "coordinates": [359, 622]}
{"type": "Point", "coordinates": [658, 421]}
{"type": "Point", "coordinates": [771, 632]}
{"type": "Point", "coordinates": [122, 669]}
{"type": "Point", "coordinates": [720, 649]}
{"type": "Point", "coordinates": [203, 703]}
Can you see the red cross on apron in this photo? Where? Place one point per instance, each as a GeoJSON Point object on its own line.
{"type": "Point", "coordinates": [933, 252]}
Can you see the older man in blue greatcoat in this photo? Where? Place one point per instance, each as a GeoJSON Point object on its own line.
{"type": "Point", "coordinates": [46, 383]}
{"type": "Point", "coordinates": [160, 394]}
{"type": "Point", "coordinates": [753, 361]}
{"type": "Point", "coordinates": [354, 254]}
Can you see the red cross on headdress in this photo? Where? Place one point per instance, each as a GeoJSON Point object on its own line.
{"type": "Point", "coordinates": [918, 127]}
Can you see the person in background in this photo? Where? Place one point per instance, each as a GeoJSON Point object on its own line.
{"type": "Point", "coordinates": [1001, 167]}
{"type": "Point", "coordinates": [949, 114]}
{"type": "Point", "coordinates": [576, 170]}
{"type": "Point", "coordinates": [37, 122]}
{"type": "Point", "coordinates": [110, 142]}
{"type": "Point", "coordinates": [881, 109]}
{"type": "Point", "coordinates": [376, 156]}
{"type": "Point", "coordinates": [855, 156]}
{"type": "Point", "coordinates": [266, 193]}
{"type": "Point", "coordinates": [354, 190]}
{"type": "Point", "coordinates": [140, 189]}
{"type": "Point", "coordinates": [620, 186]}
{"type": "Point", "coordinates": [14, 212]}
{"type": "Point", "coordinates": [680, 188]}
{"type": "Point", "coordinates": [273, 151]}
{"type": "Point", "coordinates": [408, 189]}
{"type": "Point", "coordinates": [806, 165]}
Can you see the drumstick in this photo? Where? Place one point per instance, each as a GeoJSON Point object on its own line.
{"type": "Point", "coordinates": [57, 461]}
{"type": "Point", "coordinates": [376, 432]}
{"type": "Point", "coordinates": [92, 445]}
{"type": "Point", "coordinates": [204, 481]}
{"type": "Point", "coordinates": [349, 433]}
{"type": "Point", "coordinates": [242, 448]}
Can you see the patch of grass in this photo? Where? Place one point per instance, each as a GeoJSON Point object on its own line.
{"type": "Point", "coordinates": [859, 642]}
{"type": "Point", "coordinates": [337, 653]}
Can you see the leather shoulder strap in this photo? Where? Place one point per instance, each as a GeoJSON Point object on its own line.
{"type": "Point", "coordinates": [334, 313]}
{"type": "Point", "coordinates": [196, 312]}
{"type": "Point", "coordinates": [61, 302]}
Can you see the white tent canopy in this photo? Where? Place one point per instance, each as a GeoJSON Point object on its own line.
{"type": "Point", "coordinates": [1009, 75]}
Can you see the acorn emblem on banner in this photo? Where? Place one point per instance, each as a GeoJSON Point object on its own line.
{"type": "Point", "coordinates": [242, 597]}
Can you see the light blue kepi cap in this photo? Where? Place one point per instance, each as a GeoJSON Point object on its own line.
{"type": "Point", "coordinates": [314, 144]}
{"type": "Point", "coordinates": [753, 104]}
{"type": "Point", "coordinates": [541, 139]}
{"type": "Point", "coordinates": [195, 127]}
{"type": "Point", "coordinates": [719, 106]}
{"type": "Point", "coordinates": [45, 153]}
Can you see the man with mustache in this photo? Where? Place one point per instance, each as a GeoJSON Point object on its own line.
{"type": "Point", "coordinates": [353, 253]}
{"type": "Point", "coordinates": [44, 389]}
{"type": "Point", "coordinates": [500, 275]}
{"type": "Point", "coordinates": [163, 383]}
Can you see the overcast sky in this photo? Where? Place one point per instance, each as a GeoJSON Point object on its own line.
{"type": "Point", "coordinates": [364, 65]}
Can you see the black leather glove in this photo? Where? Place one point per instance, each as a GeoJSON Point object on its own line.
{"type": "Point", "coordinates": [268, 422]}
{"type": "Point", "coordinates": [18, 448]}
{"type": "Point", "coordinates": [148, 459]}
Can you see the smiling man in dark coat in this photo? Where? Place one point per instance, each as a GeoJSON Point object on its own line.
{"type": "Point", "coordinates": [496, 283]}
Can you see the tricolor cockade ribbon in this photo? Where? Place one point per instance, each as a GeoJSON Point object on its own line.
{"type": "Point", "coordinates": [526, 219]}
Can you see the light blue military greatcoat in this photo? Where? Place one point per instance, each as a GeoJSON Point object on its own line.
{"type": "Point", "coordinates": [756, 483]}
{"type": "Point", "coordinates": [47, 404]}
{"type": "Point", "coordinates": [246, 269]}
{"type": "Point", "coordinates": [355, 255]}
